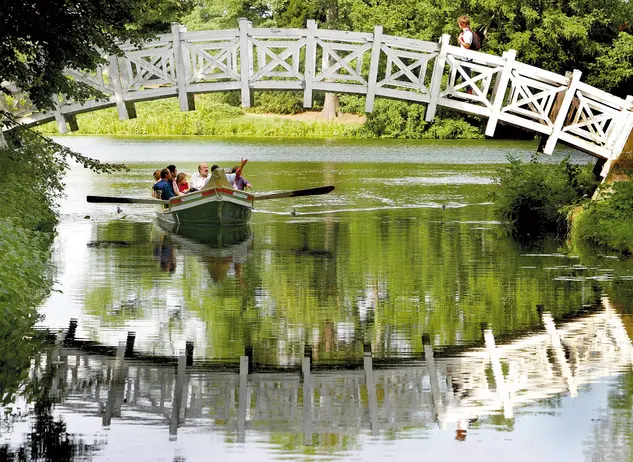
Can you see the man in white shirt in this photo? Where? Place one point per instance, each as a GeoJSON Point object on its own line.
{"type": "Point", "coordinates": [200, 178]}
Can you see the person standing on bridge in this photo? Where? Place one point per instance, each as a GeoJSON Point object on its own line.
{"type": "Point", "coordinates": [465, 40]}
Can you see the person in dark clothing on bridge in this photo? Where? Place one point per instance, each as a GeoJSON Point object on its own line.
{"type": "Point", "coordinates": [165, 185]}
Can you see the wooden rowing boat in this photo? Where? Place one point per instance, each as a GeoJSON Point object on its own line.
{"type": "Point", "coordinates": [218, 205]}
{"type": "Point", "coordinates": [215, 205]}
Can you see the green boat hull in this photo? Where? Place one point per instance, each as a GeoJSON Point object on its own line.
{"type": "Point", "coordinates": [213, 207]}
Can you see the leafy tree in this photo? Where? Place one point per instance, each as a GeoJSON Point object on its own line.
{"type": "Point", "coordinates": [40, 38]}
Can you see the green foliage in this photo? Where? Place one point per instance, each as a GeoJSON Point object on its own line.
{"type": "Point", "coordinates": [32, 168]}
{"type": "Point", "coordinates": [278, 102]}
{"type": "Point", "coordinates": [608, 222]}
{"type": "Point", "coordinates": [400, 119]}
{"type": "Point", "coordinates": [39, 39]}
{"type": "Point", "coordinates": [613, 70]}
{"type": "Point", "coordinates": [532, 196]}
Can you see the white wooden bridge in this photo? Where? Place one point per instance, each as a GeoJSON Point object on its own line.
{"type": "Point", "coordinates": [444, 392]}
{"type": "Point", "coordinates": [181, 64]}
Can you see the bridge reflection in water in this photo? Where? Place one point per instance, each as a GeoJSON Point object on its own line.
{"type": "Point", "coordinates": [444, 392]}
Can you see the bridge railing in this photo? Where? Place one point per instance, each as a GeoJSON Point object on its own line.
{"type": "Point", "coordinates": [184, 63]}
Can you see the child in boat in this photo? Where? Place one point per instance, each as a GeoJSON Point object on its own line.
{"type": "Point", "coordinates": [181, 182]}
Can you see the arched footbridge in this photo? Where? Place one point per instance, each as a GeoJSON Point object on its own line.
{"type": "Point", "coordinates": [181, 64]}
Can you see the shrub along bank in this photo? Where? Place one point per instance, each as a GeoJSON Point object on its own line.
{"type": "Point", "coordinates": [608, 221]}
{"type": "Point", "coordinates": [535, 197]}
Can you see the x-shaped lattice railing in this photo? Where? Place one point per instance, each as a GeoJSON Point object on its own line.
{"type": "Point", "coordinates": [204, 65]}
{"type": "Point", "coordinates": [148, 65]}
{"type": "Point", "coordinates": [266, 67]}
{"type": "Point", "coordinates": [330, 55]}
{"type": "Point", "coordinates": [592, 120]}
{"type": "Point", "coordinates": [479, 83]}
{"type": "Point", "coordinates": [395, 57]}
{"type": "Point", "coordinates": [95, 80]}
{"type": "Point", "coordinates": [523, 100]}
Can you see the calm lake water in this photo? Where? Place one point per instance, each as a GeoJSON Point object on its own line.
{"type": "Point", "coordinates": [407, 247]}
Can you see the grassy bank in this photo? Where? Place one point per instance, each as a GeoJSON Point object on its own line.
{"type": "Point", "coordinates": [218, 115]}
{"type": "Point", "coordinates": [608, 221]}
{"type": "Point", "coordinates": [211, 118]}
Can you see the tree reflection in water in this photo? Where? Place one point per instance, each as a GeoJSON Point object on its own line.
{"type": "Point", "coordinates": [47, 439]}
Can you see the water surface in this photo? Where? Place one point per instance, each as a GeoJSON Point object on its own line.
{"type": "Point", "coordinates": [407, 246]}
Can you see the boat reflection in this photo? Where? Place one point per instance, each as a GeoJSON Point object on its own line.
{"type": "Point", "coordinates": [223, 249]}
{"type": "Point", "coordinates": [329, 409]}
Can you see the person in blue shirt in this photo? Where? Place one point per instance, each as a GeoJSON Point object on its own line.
{"type": "Point", "coordinates": [165, 185]}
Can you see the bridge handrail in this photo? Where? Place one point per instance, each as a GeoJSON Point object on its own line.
{"type": "Point", "coordinates": [183, 63]}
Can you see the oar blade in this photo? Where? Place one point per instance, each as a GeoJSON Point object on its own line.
{"type": "Point", "coordinates": [123, 200]}
{"type": "Point", "coordinates": [297, 193]}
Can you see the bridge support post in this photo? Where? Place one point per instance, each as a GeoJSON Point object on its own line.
{"type": "Point", "coordinates": [373, 70]}
{"type": "Point", "coordinates": [499, 92]}
{"type": "Point", "coordinates": [245, 63]}
{"type": "Point", "coordinates": [562, 113]}
{"type": "Point", "coordinates": [186, 100]}
{"type": "Point", "coordinates": [310, 63]}
{"type": "Point", "coordinates": [125, 109]}
{"type": "Point", "coordinates": [436, 78]}
{"type": "Point", "coordinates": [623, 144]}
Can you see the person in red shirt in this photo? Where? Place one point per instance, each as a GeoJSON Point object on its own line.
{"type": "Point", "coordinates": [181, 182]}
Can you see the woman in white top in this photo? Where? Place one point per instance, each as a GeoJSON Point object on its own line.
{"type": "Point", "coordinates": [465, 40]}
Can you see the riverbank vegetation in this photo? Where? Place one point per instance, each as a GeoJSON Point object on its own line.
{"type": "Point", "coordinates": [535, 197]}
{"type": "Point", "coordinates": [608, 221]}
{"type": "Point", "coordinates": [221, 115]}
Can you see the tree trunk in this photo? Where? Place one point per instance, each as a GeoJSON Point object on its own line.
{"type": "Point", "coordinates": [331, 103]}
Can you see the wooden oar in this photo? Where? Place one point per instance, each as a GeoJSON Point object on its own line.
{"type": "Point", "coordinates": [124, 200]}
{"type": "Point", "coordinates": [297, 193]}
{"type": "Point", "coordinates": [133, 200]}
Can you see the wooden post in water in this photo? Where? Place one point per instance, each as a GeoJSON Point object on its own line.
{"type": "Point", "coordinates": [189, 353]}
{"type": "Point", "coordinates": [129, 344]}
{"type": "Point", "coordinates": [241, 410]}
{"type": "Point", "coordinates": [371, 389]}
{"type": "Point", "coordinates": [307, 399]}
{"type": "Point", "coordinates": [72, 329]}
{"type": "Point", "coordinates": [435, 384]}
{"type": "Point", "coordinates": [177, 399]}
{"type": "Point", "coordinates": [116, 386]}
